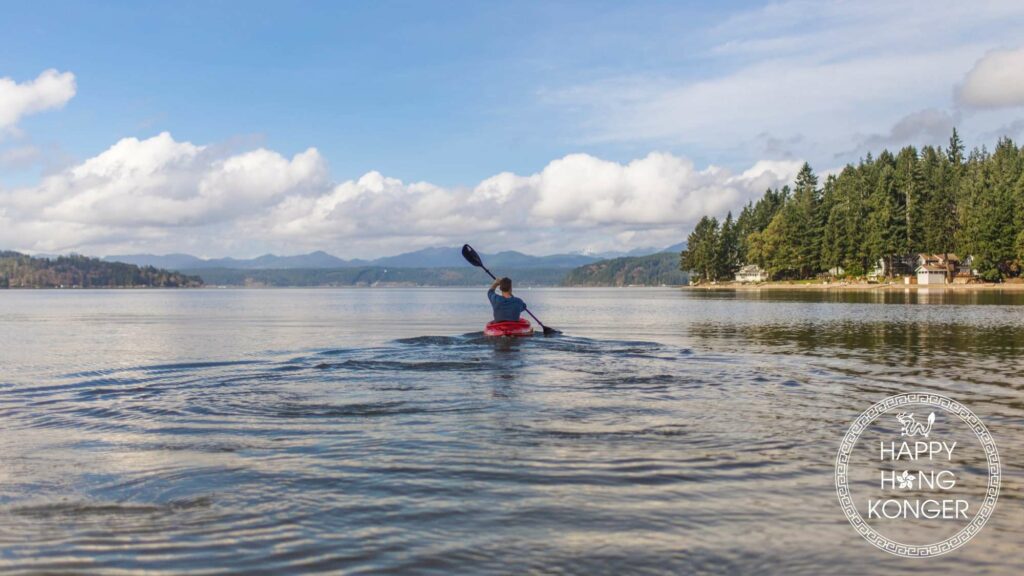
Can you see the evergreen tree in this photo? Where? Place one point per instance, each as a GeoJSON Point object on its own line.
{"type": "Point", "coordinates": [793, 237]}
{"type": "Point", "coordinates": [938, 201]}
{"type": "Point", "coordinates": [780, 251]}
{"type": "Point", "coordinates": [701, 257]}
{"type": "Point", "coordinates": [755, 217]}
{"type": "Point", "coordinates": [909, 185]}
{"type": "Point", "coordinates": [833, 247]}
{"type": "Point", "coordinates": [808, 225]}
{"type": "Point", "coordinates": [886, 223]}
{"type": "Point", "coordinates": [935, 201]}
{"type": "Point", "coordinates": [989, 199]}
{"type": "Point", "coordinates": [1019, 220]}
{"type": "Point", "coordinates": [757, 252]}
{"type": "Point", "coordinates": [728, 250]}
{"type": "Point", "coordinates": [955, 152]}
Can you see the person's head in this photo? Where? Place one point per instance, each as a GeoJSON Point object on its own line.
{"type": "Point", "coordinates": [505, 284]}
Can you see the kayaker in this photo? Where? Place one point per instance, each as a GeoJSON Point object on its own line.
{"type": "Point", "coordinates": [507, 307]}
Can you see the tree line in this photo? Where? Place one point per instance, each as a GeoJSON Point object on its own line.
{"type": "Point", "coordinates": [22, 271]}
{"type": "Point", "coordinates": [933, 200]}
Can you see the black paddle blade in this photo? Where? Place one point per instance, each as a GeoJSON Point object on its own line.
{"type": "Point", "coordinates": [471, 256]}
{"type": "Point", "coordinates": [549, 331]}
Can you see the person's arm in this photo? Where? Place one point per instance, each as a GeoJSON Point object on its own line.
{"type": "Point", "coordinates": [490, 291]}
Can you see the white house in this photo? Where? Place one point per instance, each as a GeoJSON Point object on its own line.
{"type": "Point", "coordinates": [931, 274]}
{"type": "Point", "coordinates": [960, 271]}
{"type": "Point", "coordinates": [751, 273]}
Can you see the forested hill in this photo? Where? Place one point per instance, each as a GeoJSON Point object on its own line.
{"type": "Point", "coordinates": [23, 271]}
{"type": "Point", "coordinates": [932, 200]}
{"type": "Point", "coordinates": [653, 270]}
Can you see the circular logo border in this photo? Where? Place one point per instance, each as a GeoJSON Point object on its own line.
{"type": "Point", "coordinates": [843, 484]}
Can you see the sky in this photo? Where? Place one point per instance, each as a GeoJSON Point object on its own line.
{"type": "Point", "coordinates": [372, 128]}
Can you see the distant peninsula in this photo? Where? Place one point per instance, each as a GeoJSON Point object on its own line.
{"type": "Point", "coordinates": [651, 270]}
{"type": "Point", "coordinates": [22, 271]}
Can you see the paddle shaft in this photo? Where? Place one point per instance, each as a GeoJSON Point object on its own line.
{"type": "Point", "coordinates": [527, 309]}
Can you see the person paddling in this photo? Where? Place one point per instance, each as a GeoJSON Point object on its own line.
{"type": "Point", "coordinates": [492, 329]}
{"type": "Point", "coordinates": [507, 307]}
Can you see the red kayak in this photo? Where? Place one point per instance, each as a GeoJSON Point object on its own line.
{"type": "Point", "coordinates": [520, 327]}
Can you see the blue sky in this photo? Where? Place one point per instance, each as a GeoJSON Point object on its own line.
{"type": "Point", "coordinates": [615, 124]}
{"type": "Point", "coordinates": [446, 92]}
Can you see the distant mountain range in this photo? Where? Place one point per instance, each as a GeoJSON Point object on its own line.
{"type": "Point", "coordinates": [442, 257]}
{"type": "Point", "coordinates": [645, 251]}
{"type": "Point", "coordinates": [317, 259]}
{"type": "Point", "coordinates": [427, 267]}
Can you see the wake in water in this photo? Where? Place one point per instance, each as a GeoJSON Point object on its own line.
{"type": "Point", "coordinates": [455, 453]}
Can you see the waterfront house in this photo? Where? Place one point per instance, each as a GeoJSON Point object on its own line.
{"type": "Point", "coordinates": [751, 273]}
{"type": "Point", "coordinates": [931, 274]}
{"type": "Point", "coordinates": [950, 261]}
{"type": "Point", "coordinates": [962, 271]}
{"type": "Point", "coordinates": [958, 270]}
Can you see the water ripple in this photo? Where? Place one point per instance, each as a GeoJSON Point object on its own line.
{"type": "Point", "coordinates": [563, 455]}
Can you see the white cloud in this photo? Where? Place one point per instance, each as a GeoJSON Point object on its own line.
{"type": "Point", "coordinates": [162, 195]}
{"type": "Point", "coordinates": [575, 202]}
{"type": "Point", "coordinates": [827, 74]}
{"type": "Point", "coordinates": [830, 101]}
{"type": "Point", "coordinates": [51, 89]}
{"type": "Point", "coordinates": [926, 127]}
{"type": "Point", "coordinates": [145, 191]}
{"type": "Point", "coordinates": [19, 156]}
{"type": "Point", "coordinates": [995, 81]}
{"type": "Point", "coordinates": [766, 174]}
{"type": "Point", "coordinates": [830, 30]}
{"type": "Point", "coordinates": [161, 182]}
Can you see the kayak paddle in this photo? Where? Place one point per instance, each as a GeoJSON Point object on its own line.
{"type": "Point", "coordinates": [473, 258]}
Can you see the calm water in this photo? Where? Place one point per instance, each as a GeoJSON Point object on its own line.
{"type": "Point", "coordinates": [264, 431]}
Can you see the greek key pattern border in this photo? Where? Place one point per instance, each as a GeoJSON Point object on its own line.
{"type": "Point", "coordinates": [843, 484]}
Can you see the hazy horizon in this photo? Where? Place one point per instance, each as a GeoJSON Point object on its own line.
{"type": "Point", "coordinates": [643, 250]}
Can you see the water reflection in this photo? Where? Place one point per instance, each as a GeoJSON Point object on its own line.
{"type": "Point", "coordinates": [361, 431]}
{"type": "Point", "coordinates": [897, 295]}
{"type": "Point", "coordinates": [941, 351]}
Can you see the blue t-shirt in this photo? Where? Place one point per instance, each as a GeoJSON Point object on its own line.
{"type": "Point", "coordinates": [505, 309]}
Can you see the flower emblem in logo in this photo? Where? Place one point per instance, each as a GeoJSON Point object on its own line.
{"type": "Point", "coordinates": [906, 480]}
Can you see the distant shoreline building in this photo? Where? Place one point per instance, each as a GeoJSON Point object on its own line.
{"type": "Point", "coordinates": [930, 274]}
{"type": "Point", "coordinates": [751, 273]}
{"type": "Point", "coordinates": [944, 269]}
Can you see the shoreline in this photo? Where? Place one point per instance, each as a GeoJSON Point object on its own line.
{"type": "Point", "coordinates": [324, 287]}
{"type": "Point", "coordinates": [862, 287]}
